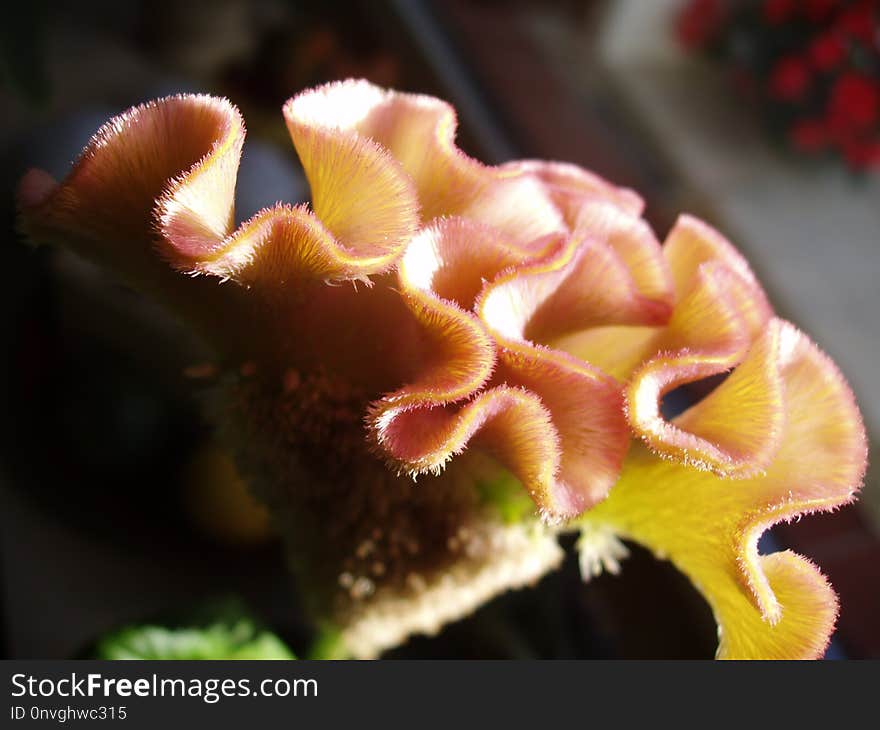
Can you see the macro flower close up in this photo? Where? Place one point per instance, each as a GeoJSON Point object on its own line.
{"type": "Point", "coordinates": [436, 367]}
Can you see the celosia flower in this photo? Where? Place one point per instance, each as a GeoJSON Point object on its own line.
{"type": "Point", "coordinates": [493, 331]}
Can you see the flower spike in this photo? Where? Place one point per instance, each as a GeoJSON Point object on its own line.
{"type": "Point", "coordinates": [506, 334]}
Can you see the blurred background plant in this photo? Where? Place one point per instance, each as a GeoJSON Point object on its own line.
{"type": "Point", "coordinates": [811, 68]}
{"type": "Point", "coordinates": [224, 629]}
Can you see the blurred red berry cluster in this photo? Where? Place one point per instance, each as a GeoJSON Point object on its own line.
{"type": "Point", "coordinates": [812, 66]}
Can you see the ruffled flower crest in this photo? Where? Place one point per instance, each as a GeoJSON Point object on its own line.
{"type": "Point", "coordinates": [430, 315]}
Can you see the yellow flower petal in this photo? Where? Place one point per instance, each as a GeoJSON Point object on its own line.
{"type": "Point", "coordinates": [776, 606]}
{"type": "Point", "coordinates": [736, 429]}
{"type": "Point", "coordinates": [692, 242]}
{"type": "Point", "coordinates": [418, 131]}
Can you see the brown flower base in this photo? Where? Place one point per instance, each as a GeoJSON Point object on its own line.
{"type": "Point", "coordinates": [379, 556]}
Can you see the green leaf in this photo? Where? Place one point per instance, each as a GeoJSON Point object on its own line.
{"type": "Point", "coordinates": [223, 640]}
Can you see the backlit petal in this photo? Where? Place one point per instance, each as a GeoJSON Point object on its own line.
{"type": "Point", "coordinates": [585, 404]}
{"type": "Point", "coordinates": [692, 242]}
{"type": "Point", "coordinates": [586, 409]}
{"type": "Point", "coordinates": [510, 423]}
{"type": "Point", "coordinates": [360, 193]}
{"type": "Point", "coordinates": [175, 158]}
{"type": "Point", "coordinates": [169, 162]}
{"type": "Point", "coordinates": [632, 239]}
{"type": "Point", "coordinates": [424, 303]}
{"type": "Point", "coordinates": [776, 606]}
{"type": "Point", "coordinates": [708, 335]}
{"type": "Point", "coordinates": [454, 258]}
{"type": "Point", "coordinates": [518, 207]}
{"type": "Point", "coordinates": [719, 308]}
{"type": "Point", "coordinates": [581, 283]}
{"type": "Point", "coordinates": [417, 131]}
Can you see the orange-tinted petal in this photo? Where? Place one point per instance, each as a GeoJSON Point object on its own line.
{"type": "Point", "coordinates": [692, 242]}
{"type": "Point", "coordinates": [518, 207]}
{"type": "Point", "coordinates": [586, 408]}
{"type": "Point", "coordinates": [168, 162]}
{"type": "Point", "coordinates": [632, 239]}
{"type": "Point", "coordinates": [510, 423]}
{"type": "Point", "coordinates": [582, 283]}
{"type": "Point", "coordinates": [719, 309]}
{"type": "Point", "coordinates": [581, 454]}
{"type": "Point", "coordinates": [456, 359]}
{"type": "Point", "coordinates": [418, 131]}
{"type": "Point", "coordinates": [284, 244]}
{"type": "Point", "coordinates": [734, 431]}
{"type": "Point", "coordinates": [613, 274]}
{"type": "Point", "coordinates": [361, 194]}
{"type": "Point", "coordinates": [710, 332]}
{"type": "Point", "coordinates": [454, 258]}
{"type": "Point", "coordinates": [706, 336]}
{"type": "Point", "coordinates": [175, 158]}
{"type": "Point", "coordinates": [584, 403]}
